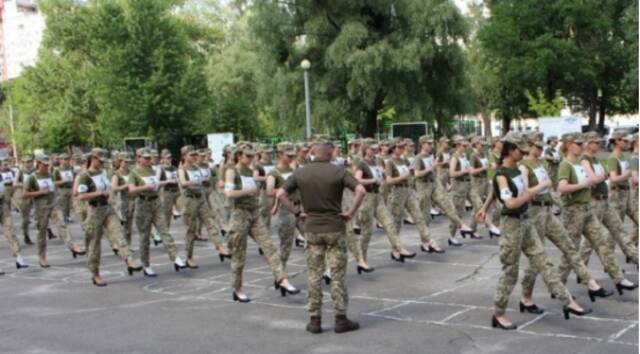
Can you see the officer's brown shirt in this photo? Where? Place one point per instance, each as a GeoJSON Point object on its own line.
{"type": "Point", "coordinates": [321, 184]}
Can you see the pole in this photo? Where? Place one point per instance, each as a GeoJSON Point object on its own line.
{"type": "Point", "coordinates": [13, 139]}
{"type": "Point", "coordinates": [307, 105]}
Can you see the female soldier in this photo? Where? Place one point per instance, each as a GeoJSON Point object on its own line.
{"type": "Point", "coordinates": [6, 190]}
{"type": "Point", "coordinates": [518, 235]}
{"type": "Point", "coordinates": [169, 184]}
{"type": "Point", "coordinates": [633, 199]}
{"type": "Point", "coordinates": [459, 169]}
{"type": "Point", "coordinates": [606, 214]}
{"type": "Point", "coordinates": [120, 186]}
{"type": "Point", "coordinates": [549, 226]}
{"type": "Point", "coordinates": [144, 184]}
{"type": "Point", "coordinates": [93, 188]}
{"type": "Point", "coordinates": [196, 208]}
{"type": "Point", "coordinates": [579, 219]}
{"type": "Point", "coordinates": [479, 186]}
{"type": "Point", "coordinates": [619, 176]}
{"type": "Point", "coordinates": [443, 157]}
{"type": "Point", "coordinates": [25, 205]}
{"type": "Point", "coordinates": [40, 188]}
{"type": "Point", "coordinates": [63, 177]}
{"type": "Point", "coordinates": [245, 221]}
{"type": "Point", "coordinates": [373, 207]}
{"type": "Point", "coordinates": [261, 170]}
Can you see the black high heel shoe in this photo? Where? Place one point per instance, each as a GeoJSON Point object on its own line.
{"type": "Point", "coordinates": [567, 310]}
{"type": "Point", "coordinates": [260, 251]}
{"type": "Point", "coordinates": [115, 251]}
{"type": "Point", "coordinates": [192, 266]}
{"type": "Point", "coordinates": [284, 291]}
{"type": "Point", "coordinates": [465, 233]}
{"type": "Point", "coordinates": [430, 249]}
{"type": "Point", "coordinates": [51, 235]}
{"type": "Point", "coordinates": [530, 308]}
{"type": "Point", "coordinates": [155, 242]}
{"type": "Point", "coordinates": [18, 265]}
{"type": "Point", "coordinates": [223, 256]}
{"type": "Point", "coordinates": [299, 243]}
{"type": "Point", "coordinates": [75, 253]}
{"type": "Point", "coordinates": [621, 287]}
{"type": "Point", "coordinates": [410, 255]}
{"type": "Point", "coordinates": [496, 324]}
{"type": "Point", "coordinates": [240, 299]}
{"type": "Point", "coordinates": [366, 270]}
{"type": "Point", "coordinates": [327, 279]}
{"type": "Point", "coordinates": [100, 285]}
{"type": "Point", "coordinates": [357, 230]}
{"type": "Point", "coordinates": [130, 270]}
{"type": "Point", "coordinates": [602, 292]}
{"type": "Point", "coordinates": [493, 234]}
{"type": "Point", "coordinates": [44, 265]}
{"type": "Point", "coordinates": [400, 258]}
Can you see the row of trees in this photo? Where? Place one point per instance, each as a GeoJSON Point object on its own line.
{"type": "Point", "coordinates": [171, 68]}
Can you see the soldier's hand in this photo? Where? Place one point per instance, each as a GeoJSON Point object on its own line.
{"type": "Point", "coordinates": [546, 183]}
{"type": "Point", "coordinates": [346, 216]}
{"type": "Point", "coordinates": [481, 216]}
{"type": "Point", "coordinates": [303, 216]}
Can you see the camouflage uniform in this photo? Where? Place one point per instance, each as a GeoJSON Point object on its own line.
{"type": "Point", "coordinates": [170, 192]}
{"type": "Point", "coordinates": [245, 220]}
{"type": "Point", "coordinates": [100, 218]}
{"type": "Point", "coordinates": [5, 214]}
{"type": "Point", "coordinates": [480, 186]}
{"type": "Point", "coordinates": [461, 188]}
{"type": "Point", "coordinates": [25, 205]}
{"type": "Point", "coordinates": [127, 206]}
{"type": "Point", "coordinates": [332, 247]}
{"type": "Point", "coordinates": [45, 209]}
{"type": "Point", "coordinates": [633, 199]}
{"type": "Point", "coordinates": [149, 212]}
{"type": "Point", "coordinates": [63, 192]}
{"type": "Point", "coordinates": [519, 235]}
{"type": "Point", "coordinates": [621, 200]}
{"type": "Point", "coordinates": [579, 220]}
{"type": "Point", "coordinates": [287, 222]}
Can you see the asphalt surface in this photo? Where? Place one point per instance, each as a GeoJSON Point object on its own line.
{"type": "Point", "coordinates": [430, 304]}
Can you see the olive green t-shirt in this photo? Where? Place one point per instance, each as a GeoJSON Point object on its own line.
{"type": "Point", "coordinates": [94, 181]}
{"type": "Point", "coordinates": [479, 160]}
{"type": "Point", "coordinates": [619, 166]}
{"type": "Point", "coordinates": [396, 167]}
{"type": "Point", "coordinates": [633, 164]}
{"type": "Point", "coordinates": [141, 176]}
{"type": "Point", "coordinates": [169, 173]}
{"type": "Point", "coordinates": [422, 162]}
{"type": "Point", "coordinates": [574, 174]}
{"type": "Point", "coordinates": [536, 174]}
{"type": "Point", "coordinates": [370, 170]}
{"type": "Point", "coordinates": [37, 181]}
{"type": "Point", "coordinates": [280, 174]}
{"type": "Point", "coordinates": [444, 156]}
{"type": "Point", "coordinates": [244, 180]}
{"type": "Point", "coordinates": [600, 190]}
{"type": "Point", "coordinates": [192, 174]}
{"type": "Point", "coordinates": [515, 182]}
{"type": "Point", "coordinates": [65, 175]}
{"type": "Point", "coordinates": [122, 180]}
{"type": "Point", "coordinates": [321, 185]}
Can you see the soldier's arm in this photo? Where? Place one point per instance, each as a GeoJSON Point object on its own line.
{"type": "Point", "coordinates": [453, 163]}
{"type": "Point", "coordinates": [281, 196]}
{"type": "Point", "coordinates": [271, 186]}
{"type": "Point", "coordinates": [477, 170]}
{"type": "Point", "coordinates": [592, 174]}
{"type": "Point", "coordinates": [115, 186]}
{"type": "Point", "coordinates": [364, 181]}
{"type": "Point", "coordinates": [257, 177]}
{"type": "Point", "coordinates": [617, 177]}
{"type": "Point", "coordinates": [16, 180]}
{"type": "Point", "coordinates": [511, 201]}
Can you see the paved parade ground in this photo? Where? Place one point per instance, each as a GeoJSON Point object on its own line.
{"type": "Point", "coordinates": [430, 304]}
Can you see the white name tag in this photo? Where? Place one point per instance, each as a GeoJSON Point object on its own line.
{"type": "Point", "coordinates": [484, 162]}
{"type": "Point", "coordinates": [581, 174]}
{"type": "Point", "coordinates": [46, 183]}
{"type": "Point", "coordinates": [541, 175]}
{"type": "Point", "coordinates": [427, 161]}
{"type": "Point", "coordinates": [7, 177]}
{"type": "Point", "coordinates": [101, 182]}
{"type": "Point", "coordinates": [402, 169]}
{"type": "Point", "coordinates": [205, 175]}
{"type": "Point", "coordinates": [598, 169]}
{"type": "Point", "coordinates": [66, 176]}
{"type": "Point", "coordinates": [285, 176]}
{"type": "Point", "coordinates": [171, 175]}
{"type": "Point", "coordinates": [194, 176]}
{"type": "Point", "coordinates": [519, 183]}
{"type": "Point", "coordinates": [376, 173]}
{"type": "Point", "coordinates": [339, 161]}
{"type": "Point", "coordinates": [446, 157]}
{"type": "Point", "coordinates": [268, 169]}
{"type": "Point", "coordinates": [151, 181]}
{"type": "Point", "coordinates": [464, 163]}
{"type": "Point", "coordinates": [247, 182]}
{"type": "Point", "coordinates": [624, 166]}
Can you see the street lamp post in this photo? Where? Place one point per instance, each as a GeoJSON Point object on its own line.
{"type": "Point", "coordinates": [305, 65]}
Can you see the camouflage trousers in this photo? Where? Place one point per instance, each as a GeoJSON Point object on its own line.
{"type": "Point", "coordinates": [127, 211]}
{"type": "Point", "coordinates": [169, 199]}
{"type": "Point", "coordinates": [443, 178]}
{"type": "Point", "coordinates": [614, 230]}
{"type": "Point", "coordinates": [549, 226]}
{"type": "Point", "coordinates": [63, 196]}
{"type": "Point", "coordinates": [101, 219]}
{"type": "Point", "coordinates": [520, 236]}
{"type": "Point", "coordinates": [552, 169]}
{"type": "Point", "coordinates": [265, 203]}
{"type": "Point", "coordinates": [404, 197]}
{"type": "Point", "coordinates": [633, 201]}
{"type": "Point", "coordinates": [353, 241]}
{"type": "Point", "coordinates": [149, 213]}
{"type": "Point", "coordinates": [626, 204]}
{"type": "Point", "coordinates": [216, 201]}
{"type": "Point", "coordinates": [45, 210]}
{"type": "Point", "coordinates": [461, 193]}
{"type": "Point", "coordinates": [430, 193]}
{"type": "Point", "coordinates": [287, 225]}
{"type": "Point", "coordinates": [580, 220]}
{"type": "Point", "coordinates": [373, 207]}
{"type": "Point", "coordinates": [25, 205]}
{"type": "Point", "coordinates": [244, 223]}
{"type": "Point", "coordinates": [196, 211]}
{"type": "Point", "coordinates": [331, 247]}
{"type": "Point", "coordinates": [7, 226]}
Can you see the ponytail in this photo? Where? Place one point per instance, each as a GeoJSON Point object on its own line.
{"type": "Point", "coordinates": [507, 147]}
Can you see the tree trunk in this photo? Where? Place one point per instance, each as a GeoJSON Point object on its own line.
{"type": "Point", "coordinates": [486, 121]}
{"type": "Point", "coordinates": [592, 116]}
{"type": "Point", "coordinates": [601, 110]}
{"type": "Point", "coordinates": [506, 124]}
{"type": "Point", "coordinates": [371, 117]}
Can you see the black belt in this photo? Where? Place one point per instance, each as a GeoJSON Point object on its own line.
{"type": "Point", "coordinates": [401, 185]}
{"type": "Point", "coordinates": [517, 216]}
{"type": "Point", "coordinates": [624, 188]}
{"type": "Point", "coordinates": [600, 197]}
{"type": "Point", "coordinates": [192, 195]}
{"type": "Point", "coordinates": [541, 204]}
{"type": "Point", "coordinates": [148, 198]}
{"type": "Point", "coordinates": [98, 202]}
{"type": "Point", "coordinates": [462, 179]}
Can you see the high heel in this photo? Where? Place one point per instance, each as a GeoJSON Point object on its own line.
{"type": "Point", "coordinates": [100, 285]}
{"type": "Point", "coordinates": [470, 233]}
{"type": "Point", "coordinates": [620, 287]}
{"type": "Point", "coordinates": [430, 249]}
{"type": "Point", "coordinates": [410, 255]}
{"type": "Point", "coordinates": [567, 310]}
{"type": "Point", "coordinates": [155, 242]}
{"type": "Point", "coordinates": [75, 253]}
{"type": "Point", "coordinates": [400, 258]}
{"type": "Point", "coordinates": [276, 285]}
{"type": "Point", "coordinates": [357, 230]}
{"type": "Point", "coordinates": [44, 265]}
{"type": "Point", "coordinates": [454, 242]}
{"type": "Point", "coordinates": [530, 308]}
{"type": "Point", "coordinates": [493, 234]}
{"type": "Point", "coordinates": [243, 299]}
{"type": "Point", "coordinates": [291, 291]}
{"type": "Point", "coordinates": [223, 256]}
{"type": "Point", "coordinates": [366, 270]}
{"type": "Point", "coordinates": [327, 279]}
{"type": "Point", "coordinates": [299, 243]}
{"type": "Point", "coordinates": [19, 265]}
{"type": "Point", "coordinates": [115, 251]}
{"type": "Point", "coordinates": [260, 251]}
{"type": "Point", "coordinates": [130, 269]}
{"type": "Point", "coordinates": [496, 324]}
{"type": "Point", "coordinates": [602, 292]}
